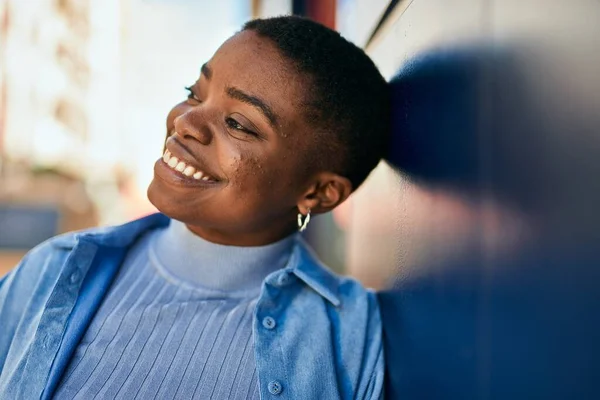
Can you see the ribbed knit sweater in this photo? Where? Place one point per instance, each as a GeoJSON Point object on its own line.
{"type": "Point", "coordinates": [176, 323]}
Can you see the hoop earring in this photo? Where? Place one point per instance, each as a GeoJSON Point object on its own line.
{"type": "Point", "coordinates": [303, 224]}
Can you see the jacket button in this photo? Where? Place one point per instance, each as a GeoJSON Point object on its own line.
{"type": "Point", "coordinates": [74, 278]}
{"type": "Point", "coordinates": [284, 279]}
{"type": "Point", "coordinates": [275, 387]}
{"type": "Point", "coordinates": [269, 322]}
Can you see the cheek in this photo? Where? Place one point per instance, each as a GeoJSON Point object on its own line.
{"type": "Point", "coordinates": [258, 177]}
{"type": "Point", "coordinates": [246, 171]}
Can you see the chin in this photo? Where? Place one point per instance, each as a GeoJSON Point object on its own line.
{"type": "Point", "coordinates": [166, 204]}
{"type": "Point", "coordinates": [157, 197]}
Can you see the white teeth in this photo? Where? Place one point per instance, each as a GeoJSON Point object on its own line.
{"type": "Point", "coordinates": [180, 167]}
{"type": "Point", "coordinates": [185, 169]}
{"type": "Point", "coordinates": [189, 171]}
{"type": "Point", "coordinates": [173, 162]}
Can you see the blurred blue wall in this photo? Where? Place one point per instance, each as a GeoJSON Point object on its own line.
{"type": "Point", "coordinates": [489, 286]}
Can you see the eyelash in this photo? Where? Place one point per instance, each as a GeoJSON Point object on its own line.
{"type": "Point", "coordinates": [233, 124]}
{"type": "Point", "coordinates": [191, 94]}
{"type": "Point", "coordinates": [230, 122]}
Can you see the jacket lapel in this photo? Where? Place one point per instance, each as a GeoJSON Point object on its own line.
{"type": "Point", "coordinates": [94, 287]}
{"type": "Point", "coordinates": [112, 245]}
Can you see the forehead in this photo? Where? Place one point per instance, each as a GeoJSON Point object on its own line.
{"type": "Point", "coordinates": [253, 64]}
{"type": "Point", "coordinates": [252, 58]}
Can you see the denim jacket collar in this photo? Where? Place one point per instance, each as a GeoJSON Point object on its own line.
{"type": "Point", "coordinates": [121, 236]}
{"type": "Point", "coordinates": [303, 262]}
{"type": "Point", "coordinates": [305, 265]}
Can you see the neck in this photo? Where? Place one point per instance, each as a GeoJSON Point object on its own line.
{"type": "Point", "coordinates": [263, 237]}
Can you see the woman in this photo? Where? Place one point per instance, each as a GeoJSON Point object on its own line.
{"type": "Point", "coordinates": [217, 296]}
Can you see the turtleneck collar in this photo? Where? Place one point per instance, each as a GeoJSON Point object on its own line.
{"type": "Point", "coordinates": [194, 261]}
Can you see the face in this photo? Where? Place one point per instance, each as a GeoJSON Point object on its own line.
{"type": "Point", "coordinates": [233, 169]}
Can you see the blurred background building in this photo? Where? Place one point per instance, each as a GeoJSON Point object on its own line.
{"type": "Point", "coordinates": [85, 87]}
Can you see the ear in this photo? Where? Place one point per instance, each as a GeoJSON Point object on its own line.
{"type": "Point", "coordinates": [326, 192]}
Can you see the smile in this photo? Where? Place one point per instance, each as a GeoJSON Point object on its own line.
{"type": "Point", "coordinates": [184, 169]}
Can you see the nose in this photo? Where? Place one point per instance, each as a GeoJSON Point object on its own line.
{"type": "Point", "coordinates": [193, 125]}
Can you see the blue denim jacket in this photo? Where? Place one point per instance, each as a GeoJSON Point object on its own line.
{"type": "Point", "coordinates": [317, 335]}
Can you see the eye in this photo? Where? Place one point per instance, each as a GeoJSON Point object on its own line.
{"type": "Point", "coordinates": [233, 124]}
{"type": "Point", "coordinates": [191, 95]}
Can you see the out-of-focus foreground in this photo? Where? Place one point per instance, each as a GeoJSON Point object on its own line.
{"type": "Point", "coordinates": [483, 229]}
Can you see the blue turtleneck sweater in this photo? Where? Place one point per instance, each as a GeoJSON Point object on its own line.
{"type": "Point", "coordinates": [176, 323]}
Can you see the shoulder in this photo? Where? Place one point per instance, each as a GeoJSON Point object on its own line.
{"type": "Point", "coordinates": [354, 320]}
{"type": "Point", "coordinates": [359, 313]}
{"type": "Point", "coordinates": [353, 309]}
{"type": "Point", "coordinates": [345, 293]}
{"type": "Point", "coordinates": [362, 330]}
{"type": "Point", "coordinates": [47, 252]}
{"type": "Point", "coordinates": [39, 267]}
{"type": "Point", "coordinates": [353, 294]}
{"type": "Point", "coordinates": [45, 261]}
{"type": "Point", "coordinates": [52, 250]}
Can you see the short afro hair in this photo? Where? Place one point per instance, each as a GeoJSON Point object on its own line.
{"type": "Point", "coordinates": [349, 103]}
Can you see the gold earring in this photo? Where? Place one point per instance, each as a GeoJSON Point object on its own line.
{"type": "Point", "coordinates": [303, 224]}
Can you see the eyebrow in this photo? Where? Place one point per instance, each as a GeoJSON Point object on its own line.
{"type": "Point", "coordinates": [238, 94]}
{"type": "Point", "coordinates": [259, 104]}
